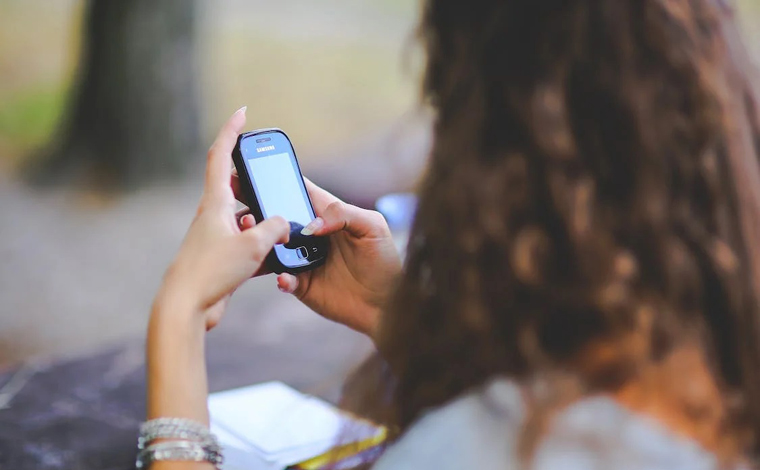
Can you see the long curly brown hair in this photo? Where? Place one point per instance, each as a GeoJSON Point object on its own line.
{"type": "Point", "coordinates": [594, 180]}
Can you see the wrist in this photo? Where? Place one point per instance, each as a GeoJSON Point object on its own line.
{"type": "Point", "coordinates": [177, 292]}
{"type": "Point", "coordinates": [177, 306]}
{"type": "Point", "coordinates": [369, 322]}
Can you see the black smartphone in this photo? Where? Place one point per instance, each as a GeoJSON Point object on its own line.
{"type": "Point", "coordinates": [272, 184]}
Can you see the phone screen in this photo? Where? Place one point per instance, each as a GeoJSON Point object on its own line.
{"type": "Point", "coordinates": [279, 188]}
{"type": "Point", "coordinates": [278, 185]}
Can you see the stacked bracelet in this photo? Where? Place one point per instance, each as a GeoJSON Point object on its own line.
{"type": "Point", "coordinates": [177, 451]}
{"type": "Point", "coordinates": [182, 440]}
{"type": "Point", "coordinates": [175, 428]}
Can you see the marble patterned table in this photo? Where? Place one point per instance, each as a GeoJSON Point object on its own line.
{"type": "Point", "coordinates": [83, 414]}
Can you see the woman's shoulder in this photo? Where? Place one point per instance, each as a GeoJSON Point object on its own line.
{"type": "Point", "coordinates": [481, 430]}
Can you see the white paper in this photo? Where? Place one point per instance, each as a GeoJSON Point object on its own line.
{"type": "Point", "coordinates": [280, 425]}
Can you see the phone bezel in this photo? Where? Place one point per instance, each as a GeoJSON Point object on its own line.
{"type": "Point", "coordinates": [273, 261]}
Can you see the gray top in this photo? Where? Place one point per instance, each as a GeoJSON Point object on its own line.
{"type": "Point", "coordinates": [481, 430]}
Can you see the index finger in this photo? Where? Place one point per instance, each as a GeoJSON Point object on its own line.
{"type": "Point", "coordinates": [218, 166]}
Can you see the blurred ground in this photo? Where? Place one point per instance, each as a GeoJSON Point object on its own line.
{"type": "Point", "coordinates": [77, 271]}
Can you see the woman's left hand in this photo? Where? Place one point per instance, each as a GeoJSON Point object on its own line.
{"type": "Point", "coordinates": [219, 252]}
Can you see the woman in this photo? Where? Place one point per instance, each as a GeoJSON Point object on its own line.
{"type": "Point", "coordinates": [581, 287]}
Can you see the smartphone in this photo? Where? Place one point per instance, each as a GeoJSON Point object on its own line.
{"type": "Point", "coordinates": [272, 184]}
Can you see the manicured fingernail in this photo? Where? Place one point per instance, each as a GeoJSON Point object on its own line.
{"type": "Point", "coordinates": [313, 226]}
{"type": "Point", "coordinates": [242, 110]}
{"type": "Point", "coordinates": [282, 289]}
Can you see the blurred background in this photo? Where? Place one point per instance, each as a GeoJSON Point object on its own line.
{"type": "Point", "coordinates": [106, 111]}
{"type": "Point", "coordinates": [107, 108]}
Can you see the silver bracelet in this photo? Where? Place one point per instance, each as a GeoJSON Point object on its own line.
{"type": "Point", "coordinates": [175, 428]}
{"type": "Point", "coordinates": [186, 451]}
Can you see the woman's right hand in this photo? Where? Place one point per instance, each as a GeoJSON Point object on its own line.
{"type": "Point", "coordinates": [354, 284]}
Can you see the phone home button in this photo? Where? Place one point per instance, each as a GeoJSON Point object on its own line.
{"type": "Point", "coordinates": [302, 252]}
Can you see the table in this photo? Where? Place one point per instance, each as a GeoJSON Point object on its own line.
{"type": "Point", "coordinates": [83, 414]}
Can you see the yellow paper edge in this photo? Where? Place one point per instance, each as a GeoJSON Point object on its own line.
{"type": "Point", "coordinates": [345, 451]}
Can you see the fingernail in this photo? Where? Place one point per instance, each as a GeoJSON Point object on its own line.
{"type": "Point", "coordinates": [242, 110]}
{"type": "Point", "coordinates": [282, 289]}
{"type": "Point", "coordinates": [313, 226]}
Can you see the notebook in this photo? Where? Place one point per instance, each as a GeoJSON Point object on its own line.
{"type": "Point", "coordinates": [271, 426]}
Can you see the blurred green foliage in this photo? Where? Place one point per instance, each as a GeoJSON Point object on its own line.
{"type": "Point", "coordinates": [28, 118]}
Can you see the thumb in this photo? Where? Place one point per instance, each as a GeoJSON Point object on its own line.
{"type": "Point", "coordinates": [259, 240]}
{"type": "Point", "coordinates": [354, 220]}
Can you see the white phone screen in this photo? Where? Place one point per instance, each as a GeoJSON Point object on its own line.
{"type": "Point", "coordinates": [279, 188]}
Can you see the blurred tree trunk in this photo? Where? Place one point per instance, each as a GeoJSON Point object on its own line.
{"type": "Point", "coordinates": [133, 113]}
